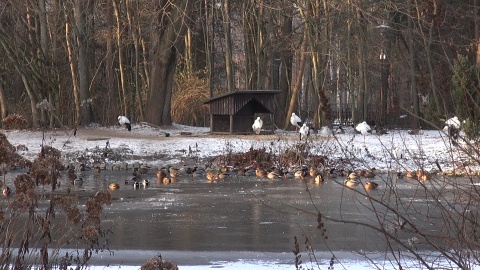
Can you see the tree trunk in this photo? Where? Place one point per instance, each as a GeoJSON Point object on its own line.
{"type": "Point", "coordinates": [249, 48]}
{"type": "Point", "coordinates": [3, 102]}
{"type": "Point", "coordinates": [166, 43]}
{"type": "Point", "coordinates": [73, 68]}
{"type": "Point", "coordinates": [83, 66]}
{"type": "Point", "coordinates": [109, 57]}
{"type": "Point", "coordinates": [136, 45]}
{"type": "Point", "coordinates": [228, 47]}
{"type": "Point", "coordinates": [427, 43]}
{"type": "Point", "coordinates": [283, 69]}
{"type": "Point", "coordinates": [33, 99]}
{"type": "Point", "coordinates": [209, 41]}
{"type": "Point", "coordinates": [118, 35]}
{"type": "Point", "coordinates": [477, 30]}
{"type": "Point", "coordinates": [362, 89]}
{"type": "Point", "coordinates": [326, 56]}
{"type": "Point", "coordinates": [260, 47]}
{"type": "Point", "coordinates": [351, 88]}
{"type": "Point", "coordinates": [298, 80]}
{"type": "Point", "coordinates": [413, 75]}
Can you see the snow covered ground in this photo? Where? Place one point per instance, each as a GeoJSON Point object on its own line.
{"type": "Point", "coordinates": [397, 150]}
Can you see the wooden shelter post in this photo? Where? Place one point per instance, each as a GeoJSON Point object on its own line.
{"type": "Point", "coordinates": [211, 121]}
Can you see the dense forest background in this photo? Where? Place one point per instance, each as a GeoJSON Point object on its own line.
{"type": "Point", "coordinates": [74, 62]}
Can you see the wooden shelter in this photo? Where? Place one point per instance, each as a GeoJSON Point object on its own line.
{"type": "Point", "coordinates": [234, 113]}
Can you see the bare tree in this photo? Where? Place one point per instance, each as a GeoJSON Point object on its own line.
{"type": "Point", "coordinates": [413, 73]}
{"type": "Point", "coordinates": [83, 65]}
{"type": "Point", "coordinates": [118, 34]}
{"type": "Point", "coordinates": [166, 42]}
{"type": "Point", "coordinates": [228, 46]}
{"type": "Point", "coordinates": [298, 80]}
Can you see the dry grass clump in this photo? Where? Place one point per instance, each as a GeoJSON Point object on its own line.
{"type": "Point", "coordinates": [260, 157]}
{"type": "Point", "coordinates": [14, 121]}
{"type": "Point", "coordinates": [297, 154]}
{"type": "Point", "coordinates": [156, 263]}
{"type": "Point", "coordinates": [188, 99]}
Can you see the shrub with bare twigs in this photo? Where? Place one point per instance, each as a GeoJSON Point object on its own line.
{"type": "Point", "coordinates": [35, 237]}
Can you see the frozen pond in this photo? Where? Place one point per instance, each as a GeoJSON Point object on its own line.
{"type": "Point", "coordinates": [194, 222]}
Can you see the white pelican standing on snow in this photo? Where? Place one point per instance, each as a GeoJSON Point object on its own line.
{"type": "Point", "coordinates": [123, 121]}
{"type": "Point", "coordinates": [363, 128]}
{"type": "Point", "coordinates": [304, 132]}
{"type": "Point", "coordinates": [257, 125]}
{"type": "Point", "coordinates": [295, 120]}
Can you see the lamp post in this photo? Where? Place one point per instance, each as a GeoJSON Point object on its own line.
{"type": "Point", "coordinates": [384, 85]}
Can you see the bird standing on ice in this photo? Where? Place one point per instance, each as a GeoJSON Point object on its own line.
{"type": "Point", "coordinates": [257, 125]}
{"type": "Point", "coordinates": [363, 128]}
{"type": "Point", "coordinates": [295, 120]}
{"type": "Point", "coordinates": [304, 132]}
{"type": "Point", "coordinates": [123, 121]}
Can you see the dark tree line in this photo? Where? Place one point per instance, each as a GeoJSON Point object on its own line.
{"type": "Point", "coordinates": [349, 60]}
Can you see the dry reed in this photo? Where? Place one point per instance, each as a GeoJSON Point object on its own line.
{"type": "Point", "coordinates": [188, 99]}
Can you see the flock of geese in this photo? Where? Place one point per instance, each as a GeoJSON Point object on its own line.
{"type": "Point", "coordinates": [167, 175]}
{"type": "Point", "coordinates": [352, 179]}
{"type": "Point", "coordinates": [214, 174]}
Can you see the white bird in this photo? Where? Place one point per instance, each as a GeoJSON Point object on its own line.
{"type": "Point", "coordinates": [295, 120]}
{"type": "Point", "coordinates": [453, 128]}
{"type": "Point", "coordinates": [304, 132]}
{"type": "Point", "coordinates": [363, 128]}
{"type": "Point", "coordinates": [123, 121]}
{"type": "Point", "coordinates": [397, 152]}
{"type": "Point", "coordinates": [257, 125]}
{"type": "Point", "coordinates": [452, 122]}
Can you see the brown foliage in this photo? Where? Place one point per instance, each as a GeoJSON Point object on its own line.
{"type": "Point", "coordinates": [45, 168]}
{"type": "Point", "coordinates": [95, 206]}
{"type": "Point", "coordinates": [188, 99]}
{"type": "Point", "coordinates": [25, 195]}
{"type": "Point", "coordinates": [68, 205]}
{"type": "Point", "coordinates": [14, 121]}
